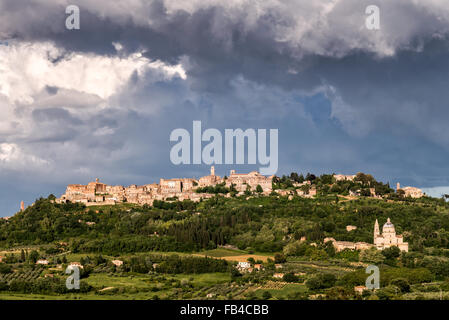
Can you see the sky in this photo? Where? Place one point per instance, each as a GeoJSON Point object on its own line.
{"type": "Point", "coordinates": [101, 101]}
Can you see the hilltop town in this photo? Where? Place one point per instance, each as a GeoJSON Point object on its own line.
{"type": "Point", "coordinates": [98, 193]}
{"type": "Point", "coordinates": [95, 193]}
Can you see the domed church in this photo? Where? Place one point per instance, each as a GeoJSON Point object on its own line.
{"type": "Point", "coordinates": [388, 238]}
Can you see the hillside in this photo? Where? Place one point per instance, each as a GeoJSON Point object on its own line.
{"type": "Point", "coordinates": [288, 230]}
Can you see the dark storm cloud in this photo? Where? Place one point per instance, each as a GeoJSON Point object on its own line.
{"type": "Point", "coordinates": [218, 40]}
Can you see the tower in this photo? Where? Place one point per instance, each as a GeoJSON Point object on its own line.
{"type": "Point", "coordinates": [22, 206]}
{"type": "Point", "coordinates": [376, 230]}
{"type": "Point", "coordinates": [212, 171]}
{"type": "Point", "coordinates": [398, 186]}
{"type": "Point", "coordinates": [97, 180]}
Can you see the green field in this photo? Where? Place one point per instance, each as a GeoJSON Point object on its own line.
{"type": "Point", "coordinates": [130, 287]}
{"type": "Point", "coordinates": [138, 281]}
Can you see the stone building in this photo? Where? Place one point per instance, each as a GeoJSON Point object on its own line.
{"type": "Point", "coordinates": [388, 238]}
{"type": "Point", "coordinates": [360, 289]}
{"type": "Point", "coordinates": [312, 192]}
{"type": "Point", "coordinates": [84, 193]}
{"type": "Point", "coordinates": [342, 245]}
{"type": "Point", "coordinates": [116, 193]}
{"type": "Point", "coordinates": [177, 185]}
{"type": "Point", "coordinates": [188, 184]}
{"type": "Point", "coordinates": [170, 186]}
{"type": "Point", "coordinates": [210, 180]}
{"type": "Point", "coordinates": [343, 177]}
{"type": "Point", "coordinates": [350, 228]}
{"type": "Point", "coordinates": [410, 191]}
{"type": "Point", "coordinates": [242, 180]}
{"type": "Point", "coordinates": [97, 193]}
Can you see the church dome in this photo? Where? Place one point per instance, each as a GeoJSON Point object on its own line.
{"type": "Point", "coordinates": [388, 225]}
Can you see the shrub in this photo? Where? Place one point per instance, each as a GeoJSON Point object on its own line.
{"type": "Point", "coordinates": [402, 284]}
{"type": "Point", "coordinates": [321, 281]}
{"type": "Point", "coordinates": [290, 277]}
{"type": "Point", "coordinates": [266, 295]}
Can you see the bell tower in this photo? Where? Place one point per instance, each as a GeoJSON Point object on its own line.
{"type": "Point", "coordinates": [376, 230]}
{"type": "Point", "coordinates": [212, 171]}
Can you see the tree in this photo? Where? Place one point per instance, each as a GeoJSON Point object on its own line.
{"type": "Point", "coordinates": [372, 255]}
{"type": "Point", "coordinates": [33, 256]}
{"type": "Point", "coordinates": [387, 293]}
{"type": "Point", "coordinates": [265, 235]}
{"type": "Point", "coordinates": [296, 248]}
{"type": "Point", "coordinates": [259, 189]}
{"type": "Point", "coordinates": [310, 177]}
{"type": "Point", "coordinates": [365, 179]}
{"type": "Point", "coordinates": [248, 190]}
{"type": "Point", "coordinates": [352, 279]}
{"type": "Point", "coordinates": [391, 253]}
{"type": "Point", "coordinates": [235, 273]}
{"type": "Point", "coordinates": [402, 284]}
{"type": "Point", "coordinates": [327, 178]}
{"type": "Point", "coordinates": [329, 248]}
{"type": "Point", "coordinates": [290, 277]}
{"type": "Point", "coordinates": [279, 258]}
{"type": "Point", "coordinates": [5, 268]}
{"type": "Point", "coordinates": [339, 293]}
{"type": "Point", "coordinates": [321, 281]}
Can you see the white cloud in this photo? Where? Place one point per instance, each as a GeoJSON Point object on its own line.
{"type": "Point", "coordinates": [13, 157]}
{"type": "Point", "coordinates": [26, 69]}
{"type": "Point", "coordinates": [56, 104]}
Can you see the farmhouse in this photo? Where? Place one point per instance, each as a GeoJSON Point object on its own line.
{"type": "Point", "coordinates": [117, 263]}
{"type": "Point", "coordinates": [243, 266]}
